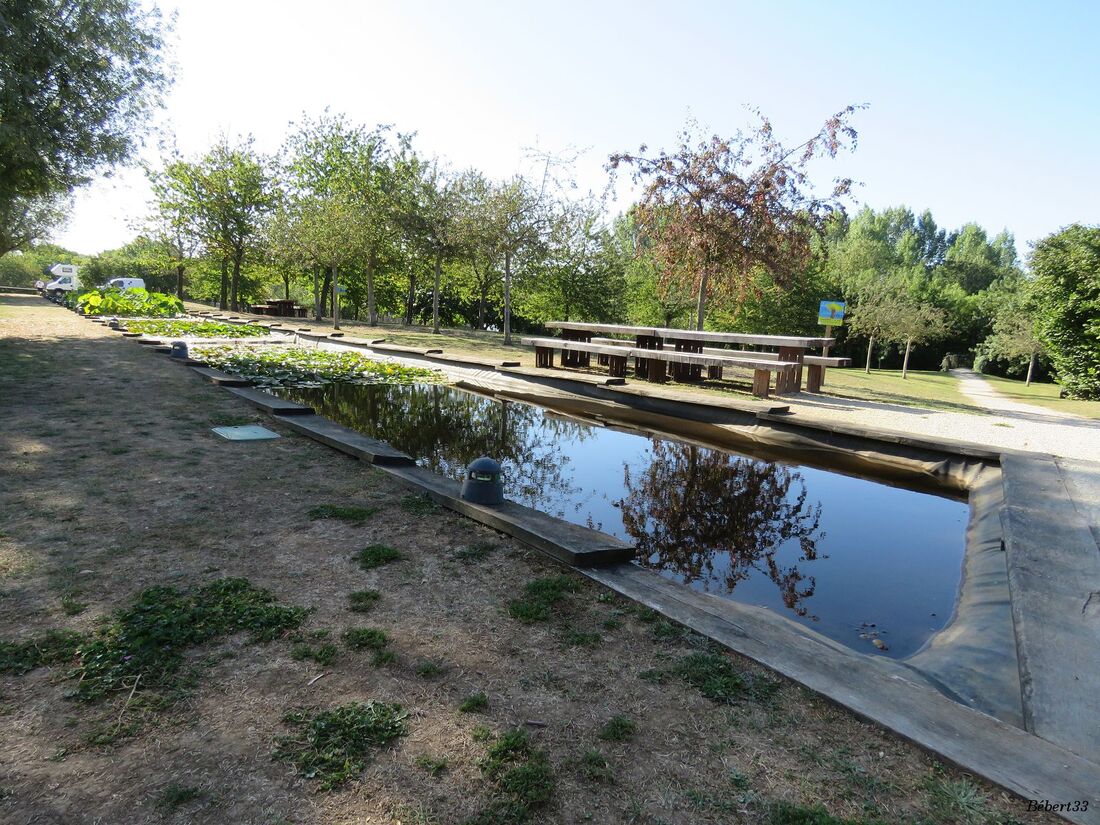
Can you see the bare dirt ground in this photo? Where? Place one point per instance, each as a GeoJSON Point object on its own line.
{"type": "Point", "coordinates": [111, 482]}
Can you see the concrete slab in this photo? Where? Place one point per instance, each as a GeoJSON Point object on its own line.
{"type": "Point", "coordinates": [220, 378]}
{"type": "Point", "coordinates": [348, 441]}
{"type": "Point", "coordinates": [570, 543]}
{"type": "Point", "coordinates": [1054, 577]}
{"type": "Point", "coordinates": [269, 403]}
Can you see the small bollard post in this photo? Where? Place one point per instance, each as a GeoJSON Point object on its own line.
{"type": "Point", "coordinates": [484, 483]}
{"type": "Point", "coordinates": [179, 350]}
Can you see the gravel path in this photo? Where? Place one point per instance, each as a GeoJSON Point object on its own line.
{"type": "Point", "coordinates": [1009, 425]}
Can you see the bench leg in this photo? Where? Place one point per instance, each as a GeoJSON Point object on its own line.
{"type": "Point", "coordinates": [714, 373]}
{"type": "Point", "coordinates": [602, 360]}
{"type": "Point", "coordinates": [616, 365]}
{"type": "Point", "coordinates": [544, 357]}
{"type": "Point", "coordinates": [656, 370]}
{"type": "Point", "coordinates": [760, 381]}
{"type": "Point", "coordinates": [815, 377]}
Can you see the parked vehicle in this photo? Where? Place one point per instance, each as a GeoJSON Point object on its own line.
{"type": "Point", "coordinates": [66, 278]}
{"type": "Point", "coordinates": [126, 283]}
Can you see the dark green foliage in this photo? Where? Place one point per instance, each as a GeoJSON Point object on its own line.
{"type": "Point", "coordinates": [474, 702]}
{"type": "Point", "coordinates": [478, 551]}
{"type": "Point", "coordinates": [418, 505]}
{"type": "Point", "coordinates": [52, 648]}
{"type": "Point", "coordinates": [356, 515]}
{"type": "Point", "coordinates": [148, 639]}
{"type": "Point", "coordinates": [481, 733]}
{"type": "Point", "coordinates": [428, 669]}
{"type": "Point", "coordinates": [175, 795]}
{"type": "Point", "coordinates": [715, 677]}
{"type": "Point", "coordinates": [361, 601]}
{"type": "Point", "coordinates": [784, 813]}
{"type": "Point", "coordinates": [322, 654]}
{"type": "Point", "coordinates": [376, 555]}
{"type": "Point", "coordinates": [71, 606]}
{"type": "Point", "coordinates": [618, 729]}
{"type": "Point", "coordinates": [666, 631]}
{"type": "Point", "coordinates": [1067, 291]}
{"type": "Point", "coordinates": [196, 329]}
{"type": "Point", "coordinates": [579, 638]}
{"type": "Point", "coordinates": [430, 764]}
{"type": "Point", "coordinates": [125, 303]}
{"type": "Point", "coordinates": [333, 746]}
{"type": "Point", "coordinates": [290, 366]}
{"type": "Point", "coordinates": [522, 776]}
{"type": "Point", "coordinates": [381, 658]}
{"type": "Point", "coordinates": [595, 767]}
{"type": "Point", "coordinates": [369, 638]}
{"type": "Point", "coordinates": [539, 597]}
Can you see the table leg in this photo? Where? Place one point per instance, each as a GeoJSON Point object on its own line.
{"type": "Point", "coordinates": [795, 354]}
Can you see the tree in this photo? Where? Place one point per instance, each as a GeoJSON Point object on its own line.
{"type": "Point", "coordinates": [433, 222]}
{"type": "Point", "coordinates": [1013, 335]}
{"type": "Point", "coordinates": [172, 224]}
{"type": "Point", "coordinates": [886, 310]}
{"type": "Point", "coordinates": [78, 81]}
{"type": "Point", "coordinates": [1066, 266]}
{"type": "Point", "coordinates": [718, 208]}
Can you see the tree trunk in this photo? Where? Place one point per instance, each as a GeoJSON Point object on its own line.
{"type": "Point", "coordinates": [286, 286]}
{"type": "Point", "coordinates": [372, 314]}
{"type": "Point", "coordinates": [335, 300]}
{"type": "Point", "coordinates": [223, 294]}
{"type": "Point", "coordinates": [701, 306]}
{"type": "Point", "coordinates": [482, 298]}
{"type": "Point", "coordinates": [326, 287]}
{"type": "Point", "coordinates": [410, 299]}
{"type": "Point", "coordinates": [179, 281]}
{"type": "Point", "coordinates": [316, 295]}
{"type": "Point", "coordinates": [1031, 368]}
{"type": "Point", "coordinates": [507, 299]}
{"type": "Point", "coordinates": [435, 293]}
{"type": "Point", "coordinates": [236, 282]}
{"type": "Point", "coordinates": [870, 349]}
{"type": "Point", "coordinates": [905, 363]}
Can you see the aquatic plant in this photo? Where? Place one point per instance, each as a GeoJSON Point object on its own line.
{"type": "Point", "coordinates": [177, 328]}
{"type": "Point", "coordinates": [124, 303]}
{"type": "Point", "coordinates": [296, 366]}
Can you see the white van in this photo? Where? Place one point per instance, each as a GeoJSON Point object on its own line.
{"type": "Point", "coordinates": [66, 278]}
{"type": "Point", "coordinates": [126, 283]}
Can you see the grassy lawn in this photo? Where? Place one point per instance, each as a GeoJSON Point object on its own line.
{"type": "Point", "coordinates": [194, 630]}
{"type": "Point", "coordinates": [936, 390]}
{"type": "Point", "coordinates": [1043, 395]}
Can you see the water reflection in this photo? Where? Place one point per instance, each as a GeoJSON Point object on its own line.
{"type": "Point", "coordinates": [691, 506]}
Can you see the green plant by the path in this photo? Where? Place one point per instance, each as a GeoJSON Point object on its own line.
{"type": "Point", "coordinates": [297, 366]}
{"type": "Point", "coordinates": [356, 515]}
{"type": "Point", "coordinates": [370, 638]}
{"type": "Point", "coordinates": [362, 601]}
{"type": "Point", "coordinates": [595, 767]}
{"type": "Point", "coordinates": [618, 729]}
{"type": "Point", "coordinates": [143, 646]}
{"type": "Point", "coordinates": [175, 795]}
{"type": "Point", "coordinates": [431, 764]}
{"type": "Point", "coordinates": [784, 813]}
{"type": "Point", "coordinates": [323, 655]}
{"type": "Point", "coordinates": [375, 555]}
{"type": "Point", "coordinates": [522, 776]}
{"type": "Point", "coordinates": [714, 676]}
{"type": "Point", "coordinates": [334, 746]}
{"type": "Point", "coordinates": [196, 329]}
{"type": "Point", "coordinates": [539, 597]}
{"type": "Point", "coordinates": [124, 303]}
{"type": "Point", "coordinates": [474, 702]}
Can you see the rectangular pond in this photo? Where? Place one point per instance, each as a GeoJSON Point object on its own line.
{"type": "Point", "coordinates": [872, 566]}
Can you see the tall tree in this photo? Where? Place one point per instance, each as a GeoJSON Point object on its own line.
{"type": "Point", "coordinates": [433, 223]}
{"type": "Point", "coordinates": [1013, 335]}
{"type": "Point", "coordinates": [172, 224]}
{"type": "Point", "coordinates": [720, 207]}
{"type": "Point", "coordinates": [78, 81]}
{"type": "Point", "coordinates": [886, 310]}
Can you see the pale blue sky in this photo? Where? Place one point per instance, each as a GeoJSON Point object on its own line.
{"type": "Point", "coordinates": [978, 111]}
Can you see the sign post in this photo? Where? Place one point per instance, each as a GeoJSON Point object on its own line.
{"type": "Point", "coordinates": [830, 314]}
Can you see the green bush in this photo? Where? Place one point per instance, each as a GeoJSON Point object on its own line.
{"type": "Point", "coordinates": [1067, 291]}
{"type": "Point", "coordinates": [124, 303]}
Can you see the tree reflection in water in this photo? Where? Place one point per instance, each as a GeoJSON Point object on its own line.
{"type": "Point", "coordinates": [445, 429]}
{"type": "Point", "coordinates": [692, 505]}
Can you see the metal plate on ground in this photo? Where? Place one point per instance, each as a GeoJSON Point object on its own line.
{"type": "Point", "coordinates": [250, 432]}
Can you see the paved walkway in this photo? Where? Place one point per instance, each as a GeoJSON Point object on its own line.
{"type": "Point", "coordinates": [984, 394]}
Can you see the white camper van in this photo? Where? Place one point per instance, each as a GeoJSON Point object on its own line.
{"type": "Point", "coordinates": [126, 283]}
{"type": "Point", "coordinates": [66, 278]}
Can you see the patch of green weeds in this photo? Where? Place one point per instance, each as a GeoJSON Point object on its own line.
{"type": "Point", "coordinates": [647, 615]}
{"type": "Point", "coordinates": [474, 703]}
{"type": "Point", "coordinates": [522, 777]}
{"type": "Point", "coordinates": [714, 676]}
{"type": "Point", "coordinates": [579, 638]}
{"type": "Point", "coordinates": [71, 606]}
{"type": "Point", "coordinates": [618, 729]}
{"type": "Point", "coordinates": [418, 504]}
{"type": "Point", "coordinates": [594, 767]}
{"type": "Point", "coordinates": [666, 631]}
{"type": "Point", "coordinates": [784, 813]}
{"type": "Point", "coordinates": [333, 746]}
{"type": "Point", "coordinates": [428, 669]}
{"type": "Point", "coordinates": [370, 638]}
{"type": "Point", "coordinates": [481, 733]}
{"type": "Point", "coordinates": [356, 515]}
{"type": "Point", "coordinates": [478, 551]}
{"type": "Point", "coordinates": [375, 555]}
{"type": "Point", "coordinates": [957, 800]}
{"type": "Point", "coordinates": [174, 795]}
{"type": "Point", "coordinates": [540, 595]}
{"type": "Point", "coordinates": [54, 647]}
{"type": "Point", "coordinates": [432, 765]}
{"type": "Point", "coordinates": [323, 655]}
{"type": "Point", "coordinates": [381, 658]}
{"type": "Point", "coordinates": [611, 624]}
{"type": "Point", "coordinates": [361, 601]}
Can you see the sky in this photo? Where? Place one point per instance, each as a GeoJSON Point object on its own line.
{"type": "Point", "coordinates": [983, 112]}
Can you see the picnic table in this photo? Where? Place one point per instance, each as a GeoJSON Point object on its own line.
{"type": "Point", "coordinates": [280, 307]}
{"type": "Point", "coordinates": [791, 349]}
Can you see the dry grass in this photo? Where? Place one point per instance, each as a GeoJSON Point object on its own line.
{"type": "Point", "coordinates": [113, 483]}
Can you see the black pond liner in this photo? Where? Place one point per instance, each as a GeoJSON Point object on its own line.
{"type": "Point", "coordinates": [854, 559]}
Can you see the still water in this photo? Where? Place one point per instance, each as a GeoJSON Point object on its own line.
{"type": "Point", "coordinates": [854, 559]}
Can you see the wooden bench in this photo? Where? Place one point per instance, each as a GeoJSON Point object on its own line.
{"type": "Point", "coordinates": [656, 360]}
